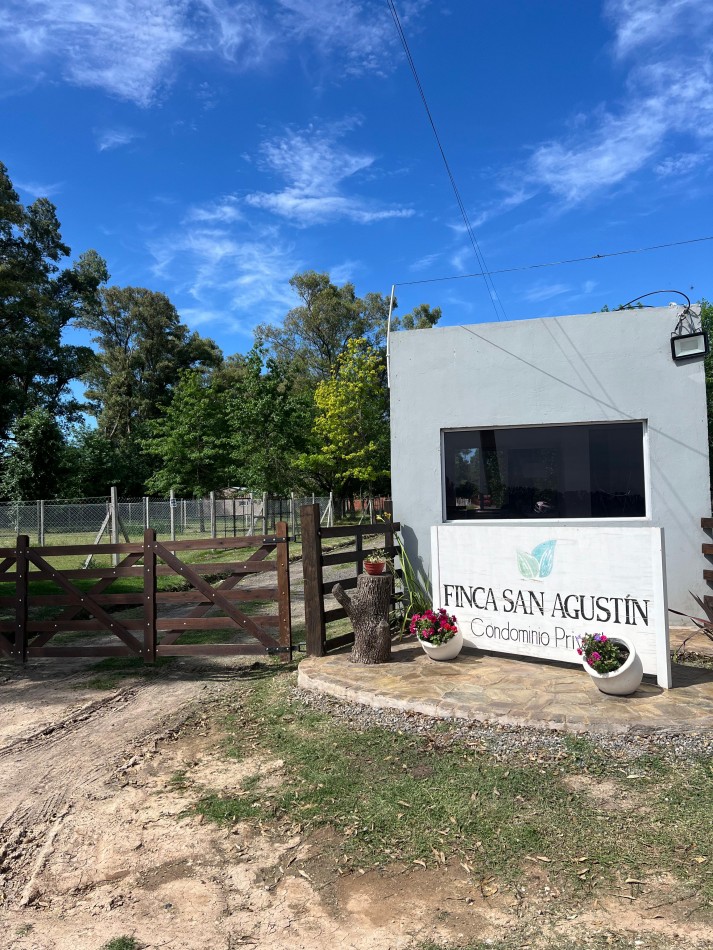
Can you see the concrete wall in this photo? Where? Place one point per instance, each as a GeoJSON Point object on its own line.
{"type": "Point", "coordinates": [587, 368]}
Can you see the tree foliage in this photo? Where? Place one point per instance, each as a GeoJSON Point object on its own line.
{"type": "Point", "coordinates": [37, 301]}
{"type": "Point", "coordinates": [314, 334]}
{"type": "Point", "coordinates": [33, 457]}
{"type": "Point", "coordinates": [190, 442]}
{"type": "Point", "coordinates": [142, 349]}
{"type": "Point", "coordinates": [351, 430]}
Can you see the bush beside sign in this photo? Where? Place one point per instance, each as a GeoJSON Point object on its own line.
{"type": "Point", "coordinates": [534, 590]}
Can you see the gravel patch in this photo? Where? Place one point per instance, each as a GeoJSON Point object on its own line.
{"type": "Point", "coordinates": [513, 742]}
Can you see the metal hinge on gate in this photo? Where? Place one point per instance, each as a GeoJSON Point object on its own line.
{"type": "Point", "coordinates": [273, 651]}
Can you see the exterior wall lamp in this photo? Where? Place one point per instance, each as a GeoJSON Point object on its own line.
{"type": "Point", "coordinates": [688, 339]}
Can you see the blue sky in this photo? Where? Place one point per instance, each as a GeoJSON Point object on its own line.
{"type": "Point", "coordinates": [212, 148]}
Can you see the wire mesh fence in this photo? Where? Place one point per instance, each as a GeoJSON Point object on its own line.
{"type": "Point", "coordinates": [92, 520]}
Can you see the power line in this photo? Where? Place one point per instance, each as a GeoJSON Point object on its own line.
{"type": "Point", "coordinates": [486, 274]}
{"type": "Point", "coordinates": [571, 260]}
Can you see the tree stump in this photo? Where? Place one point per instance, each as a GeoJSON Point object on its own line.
{"type": "Point", "coordinates": [368, 610]}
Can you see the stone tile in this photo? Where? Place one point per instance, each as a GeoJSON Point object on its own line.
{"type": "Point", "coordinates": [490, 687]}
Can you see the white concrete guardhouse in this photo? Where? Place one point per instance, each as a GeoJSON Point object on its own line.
{"type": "Point", "coordinates": [550, 476]}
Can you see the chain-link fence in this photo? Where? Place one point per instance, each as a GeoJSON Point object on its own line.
{"type": "Point", "coordinates": [92, 520]}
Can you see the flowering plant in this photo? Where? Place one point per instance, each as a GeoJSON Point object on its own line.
{"type": "Point", "coordinates": [601, 653]}
{"type": "Point", "coordinates": [434, 626]}
{"type": "Point", "coordinates": [376, 557]}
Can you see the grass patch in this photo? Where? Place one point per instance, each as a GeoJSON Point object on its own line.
{"type": "Point", "coordinates": [109, 673]}
{"type": "Point", "coordinates": [122, 943]}
{"type": "Point", "coordinates": [400, 797]}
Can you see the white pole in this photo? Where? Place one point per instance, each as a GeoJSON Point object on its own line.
{"type": "Point", "coordinates": [146, 512]}
{"type": "Point", "coordinates": [213, 519]}
{"type": "Point", "coordinates": [114, 522]}
{"type": "Point", "coordinates": [172, 513]}
{"type": "Point", "coordinates": [264, 512]}
{"type": "Point", "coordinates": [388, 337]}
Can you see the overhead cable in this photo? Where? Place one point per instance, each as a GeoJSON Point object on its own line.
{"type": "Point", "coordinates": [486, 274]}
{"type": "Point", "coordinates": [571, 260]}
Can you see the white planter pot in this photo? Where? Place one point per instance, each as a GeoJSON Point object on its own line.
{"type": "Point", "coordinates": [624, 681]}
{"type": "Point", "coordinates": [444, 651]}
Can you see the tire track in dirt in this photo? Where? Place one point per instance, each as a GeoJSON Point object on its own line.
{"type": "Point", "coordinates": [46, 774]}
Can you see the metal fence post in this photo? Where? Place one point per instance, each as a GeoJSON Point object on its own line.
{"type": "Point", "coordinates": [114, 496]}
{"type": "Point", "coordinates": [41, 521]}
{"type": "Point", "coordinates": [213, 526]}
{"type": "Point", "coordinates": [264, 512]}
{"type": "Point", "coordinates": [146, 512]}
{"type": "Point", "coordinates": [330, 519]}
{"type": "Point", "coordinates": [172, 513]}
{"type": "Point", "coordinates": [252, 513]}
{"type": "Point", "coordinates": [313, 580]}
{"type": "Point", "coordinates": [292, 514]}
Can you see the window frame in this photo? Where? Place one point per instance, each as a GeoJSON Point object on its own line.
{"type": "Point", "coordinates": [636, 519]}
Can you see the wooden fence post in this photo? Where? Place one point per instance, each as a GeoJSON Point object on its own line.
{"type": "Point", "coordinates": [149, 649]}
{"type": "Point", "coordinates": [21, 595]}
{"type": "Point", "coordinates": [283, 584]}
{"type": "Point", "coordinates": [312, 572]}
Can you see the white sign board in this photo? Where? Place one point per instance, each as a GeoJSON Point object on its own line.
{"type": "Point", "coordinates": [534, 590]}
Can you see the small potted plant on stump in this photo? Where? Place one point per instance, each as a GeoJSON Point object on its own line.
{"type": "Point", "coordinates": [375, 562]}
{"type": "Point", "coordinates": [438, 634]}
{"type": "Point", "coordinates": [612, 662]}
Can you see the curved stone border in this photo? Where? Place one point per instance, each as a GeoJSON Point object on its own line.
{"type": "Point", "coordinates": [513, 692]}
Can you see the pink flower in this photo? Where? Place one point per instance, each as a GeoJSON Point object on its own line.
{"type": "Point", "coordinates": [580, 652]}
{"type": "Point", "coordinates": [595, 656]}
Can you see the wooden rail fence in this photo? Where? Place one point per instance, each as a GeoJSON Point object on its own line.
{"type": "Point", "coordinates": [149, 632]}
{"type": "Point", "coordinates": [314, 559]}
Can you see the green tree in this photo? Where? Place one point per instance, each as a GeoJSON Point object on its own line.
{"type": "Point", "coordinates": [142, 349]}
{"type": "Point", "coordinates": [314, 334]}
{"type": "Point", "coordinates": [422, 317]}
{"type": "Point", "coordinates": [33, 457]}
{"type": "Point", "coordinates": [93, 463]}
{"type": "Point", "coordinates": [190, 441]}
{"type": "Point", "coordinates": [269, 420]}
{"type": "Point", "coordinates": [351, 430]}
{"type": "Point", "coordinates": [37, 300]}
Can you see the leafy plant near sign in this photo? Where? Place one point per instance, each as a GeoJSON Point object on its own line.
{"type": "Point", "coordinates": [434, 626]}
{"type": "Point", "coordinates": [415, 596]}
{"type": "Point", "coordinates": [601, 653]}
{"type": "Point", "coordinates": [703, 625]}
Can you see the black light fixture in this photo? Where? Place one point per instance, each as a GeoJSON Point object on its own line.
{"type": "Point", "coordinates": [688, 339]}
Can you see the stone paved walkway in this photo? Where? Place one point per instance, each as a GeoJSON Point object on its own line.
{"type": "Point", "coordinates": [510, 691]}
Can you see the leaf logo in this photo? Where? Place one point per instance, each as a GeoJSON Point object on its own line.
{"type": "Point", "coordinates": [539, 563]}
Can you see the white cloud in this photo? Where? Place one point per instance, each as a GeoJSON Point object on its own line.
{"type": "Point", "coordinates": [132, 48]}
{"type": "Point", "coordinates": [668, 45]}
{"type": "Point", "coordinates": [37, 189]}
{"type": "Point", "coordinates": [679, 164]}
{"type": "Point", "coordinates": [224, 210]}
{"type": "Point", "coordinates": [114, 138]}
{"type": "Point", "coordinates": [541, 291]}
{"type": "Point", "coordinates": [237, 281]}
{"type": "Point", "coordinates": [315, 167]}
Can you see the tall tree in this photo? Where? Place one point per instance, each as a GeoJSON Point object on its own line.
{"type": "Point", "coordinates": [37, 300]}
{"type": "Point", "coordinates": [142, 349]}
{"type": "Point", "coordinates": [314, 334]}
{"type": "Point", "coordinates": [351, 431]}
{"type": "Point", "coordinates": [33, 457]}
{"type": "Point", "coordinates": [190, 441]}
{"type": "Point", "coordinates": [269, 420]}
{"type": "Point", "coordinates": [93, 463]}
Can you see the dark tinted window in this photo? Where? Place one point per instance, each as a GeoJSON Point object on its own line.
{"type": "Point", "coordinates": [582, 471]}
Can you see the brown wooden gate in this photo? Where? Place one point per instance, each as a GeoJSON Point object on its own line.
{"type": "Point", "coordinates": [155, 619]}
